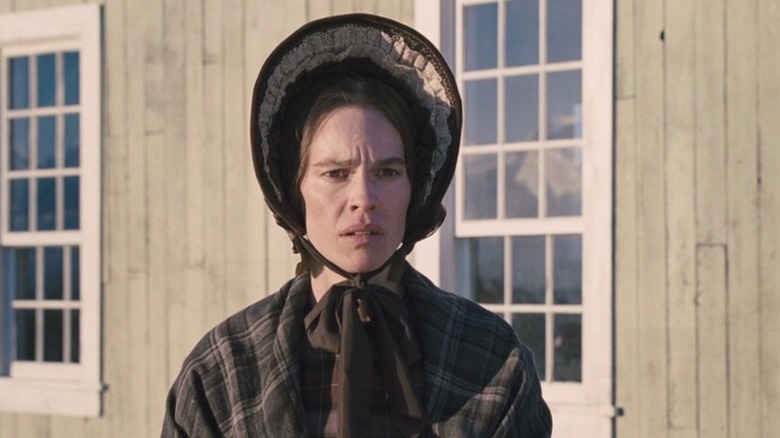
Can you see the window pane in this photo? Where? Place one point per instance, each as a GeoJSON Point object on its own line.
{"type": "Point", "coordinates": [564, 105]}
{"type": "Point", "coordinates": [481, 112]}
{"type": "Point", "coordinates": [568, 348]}
{"type": "Point", "coordinates": [52, 273]}
{"type": "Point", "coordinates": [25, 334]}
{"type": "Point", "coordinates": [481, 262]}
{"type": "Point", "coordinates": [567, 269]}
{"type": "Point", "coordinates": [47, 79]}
{"type": "Point", "coordinates": [20, 205]}
{"type": "Point", "coordinates": [563, 177]}
{"type": "Point", "coordinates": [522, 184]}
{"type": "Point", "coordinates": [480, 180]}
{"type": "Point", "coordinates": [75, 274]}
{"type": "Point", "coordinates": [564, 30]}
{"type": "Point", "coordinates": [19, 82]}
{"type": "Point", "coordinates": [522, 32]}
{"type": "Point", "coordinates": [52, 335]}
{"type": "Point", "coordinates": [19, 273]}
{"type": "Point", "coordinates": [71, 202]}
{"type": "Point", "coordinates": [75, 331]}
{"type": "Point", "coordinates": [47, 204]}
{"type": "Point", "coordinates": [46, 142]}
{"type": "Point", "coordinates": [72, 140]}
{"type": "Point", "coordinates": [530, 329]}
{"type": "Point", "coordinates": [71, 63]}
{"type": "Point", "coordinates": [522, 108]}
{"type": "Point", "coordinates": [480, 35]}
{"type": "Point", "coordinates": [19, 144]}
{"type": "Point", "coordinates": [528, 270]}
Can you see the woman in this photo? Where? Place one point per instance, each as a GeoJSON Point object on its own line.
{"type": "Point", "coordinates": [355, 130]}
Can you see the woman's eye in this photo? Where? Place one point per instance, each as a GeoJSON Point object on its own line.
{"type": "Point", "coordinates": [336, 173]}
{"type": "Point", "coordinates": [389, 172]}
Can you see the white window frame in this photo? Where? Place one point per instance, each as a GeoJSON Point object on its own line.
{"type": "Point", "coordinates": [587, 405]}
{"type": "Point", "coordinates": [63, 388]}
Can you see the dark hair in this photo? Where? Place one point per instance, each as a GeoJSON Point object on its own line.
{"type": "Point", "coordinates": [339, 92]}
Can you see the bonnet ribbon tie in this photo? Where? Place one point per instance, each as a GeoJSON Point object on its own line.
{"type": "Point", "coordinates": [347, 320]}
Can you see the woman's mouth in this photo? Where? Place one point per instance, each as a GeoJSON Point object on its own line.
{"type": "Point", "coordinates": [362, 234]}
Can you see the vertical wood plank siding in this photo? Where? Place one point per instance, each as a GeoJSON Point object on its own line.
{"type": "Point", "coordinates": [651, 189]}
{"type": "Point", "coordinates": [768, 154]}
{"type": "Point", "coordinates": [187, 239]}
{"type": "Point", "coordinates": [697, 218]}
{"type": "Point", "coordinates": [680, 218]}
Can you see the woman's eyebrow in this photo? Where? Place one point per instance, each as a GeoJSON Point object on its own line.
{"type": "Point", "coordinates": [392, 161]}
{"type": "Point", "coordinates": [332, 162]}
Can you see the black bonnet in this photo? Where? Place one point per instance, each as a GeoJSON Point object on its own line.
{"type": "Point", "coordinates": [380, 49]}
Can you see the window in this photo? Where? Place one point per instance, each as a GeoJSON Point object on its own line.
{"type": "Point", "coordinates": [519, 191]}
{"type": "Point", "coordinates": [531, 239]}
{"type": "Point", "coordinates": [50, 221]}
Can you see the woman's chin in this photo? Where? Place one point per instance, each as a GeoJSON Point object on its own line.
{"type": "Point", "coordinates": [363, 265]}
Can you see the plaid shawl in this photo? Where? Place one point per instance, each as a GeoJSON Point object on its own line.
{"type": "Point", "coordinates": [242, 378]}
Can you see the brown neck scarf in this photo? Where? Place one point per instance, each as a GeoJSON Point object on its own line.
{"type": "Point", "coordinates": [348, 319]}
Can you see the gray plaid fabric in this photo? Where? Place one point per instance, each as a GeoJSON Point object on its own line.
{"type": "Point", "coordinates": [242, 378]}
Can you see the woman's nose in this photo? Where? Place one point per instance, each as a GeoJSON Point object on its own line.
{"type": "Point", "coordinates": [363, 193]}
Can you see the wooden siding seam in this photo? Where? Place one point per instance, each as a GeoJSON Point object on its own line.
{"type": "Point", "coordinates": [712, 320]}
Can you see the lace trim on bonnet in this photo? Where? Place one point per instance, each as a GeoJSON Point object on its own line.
{"type": "Point", "coordinates": [386, 51]}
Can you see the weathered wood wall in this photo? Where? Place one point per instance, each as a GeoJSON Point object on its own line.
{"type": "Point", "coordinates": [698, 214]}
{"type": "Point", "coordinates": [187, 240]}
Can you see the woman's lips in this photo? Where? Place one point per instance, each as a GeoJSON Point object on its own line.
{"type": "Point", "coordinates": [362, 234]}
{"type": "Point", "coordinates": [361, 230]}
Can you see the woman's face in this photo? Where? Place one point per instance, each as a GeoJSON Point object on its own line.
{"type": "Point", "coordinates": [355, 188]}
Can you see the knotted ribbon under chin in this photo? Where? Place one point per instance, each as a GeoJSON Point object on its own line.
{"type": "Point", "coordinates": [348, 319]}
{"type": "Point", "coordinates": [338, 324]}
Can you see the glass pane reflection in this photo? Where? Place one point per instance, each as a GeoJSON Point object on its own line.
{"type": "Point", "coordinates": [563, 179]}
{"type": "Point", "coordinates": [530, 329]}
{"type": "Point", "coordinates": [47, 80]}
{"type": "Point", "coordinates": [567, 269]}
{"type": "Point", "coordinates": [19, 145]}
{"type": "Point", "coordinates": [46, 142]}
{"type": "Point", "coordinates": [72, 140]}
{"type": "Point", "coordinates": [522, 32]}
{"type": "Point", "coordinates": [47, 214]}
{"type": "Point", "coordinates": [25, 334]}
{"type": "Point", "coordinates": [52, 271]}
{"type": "Point", "coordinates": [20, 205]}
{"type": "Point", "coordinates": [482, 264]}
{"type": "Point", "coordinates": [528, 270]}
{"type": "Point", "coordinates": [522, 184]}
{"type": "Point", "coordinates": [71, 202]}
{"type": "Point", "coordinates": [564, 30]}
{"type": "Point", "coordinates": [567, 339]}
{"type": "Point", "coordinates": [75, 330]}
{"type": "Point", "coordinates": [564, 105]}
{"type": "Point", "coordinates": [52, 335]}
{"type": "Point", "coordinates": [481, 112]}
{"type": "Point", "coordinates": [75, 277]}
{"type": "Point", "coordinates": [481, 172]}
{"type": "Point", "coordinates": [19, 83]}
{"type": "Point", "coordinates": [71, 71]}
{"type": "Point", "coordinates": [480, 29]}
{"type": "Point", "coordinates": [522, 108]}
{"type": "Point", "coordinates": [19, 269]}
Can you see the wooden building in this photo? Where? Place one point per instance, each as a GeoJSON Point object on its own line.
{"type": "Point", "coordinates": [618, 201]}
